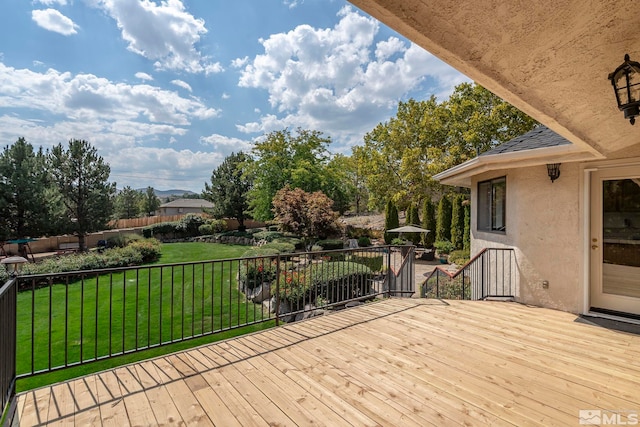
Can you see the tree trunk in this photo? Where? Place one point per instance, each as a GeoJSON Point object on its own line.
{"type": "Point", "coordinates": [81, 242]}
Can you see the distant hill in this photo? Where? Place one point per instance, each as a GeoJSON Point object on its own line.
{"type": "Point", "coordinates": [168, 193]}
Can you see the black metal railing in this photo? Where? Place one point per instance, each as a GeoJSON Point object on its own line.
{"type": "Point", "coordinates": [7, 350]}
{"type": "Point", "coordinates": [67, 319]}
{"type": "Point", "coordinates": [491, 273]}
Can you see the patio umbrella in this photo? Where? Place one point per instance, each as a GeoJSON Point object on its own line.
{"type": "Point", "coordinates": [408, 229]}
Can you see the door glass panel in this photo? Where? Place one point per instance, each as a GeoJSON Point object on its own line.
{"type": "Point", "coordinates": [621, 237]}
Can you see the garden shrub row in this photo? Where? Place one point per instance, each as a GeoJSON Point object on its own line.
{"type": "Point", "coordinates": [328, 280]}
{"type": "Point", "coordinates": [268, 235]}
{"type": "Point", "coordinates": [372, 260]}
{"type": "Point", "coordinates": [136, 253]}
{"type": "Point", "coordinates": [330, 244]}
{"type": "Point", "coordinates": [188, 226]}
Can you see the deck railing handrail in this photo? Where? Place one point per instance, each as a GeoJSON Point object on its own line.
{"type": "Point", "coordinates": [71, 318]}
{"type": "Point", "coordinates": [478, 277]}
{"type": "Point", "coordinates": [8, 299]}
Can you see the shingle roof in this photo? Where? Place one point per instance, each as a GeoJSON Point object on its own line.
{"type": "Point", "coordinates": [188, 203]}
{"type": "Point", "coordinates": [540, 137]}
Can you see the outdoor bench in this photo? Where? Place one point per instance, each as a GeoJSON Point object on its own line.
{"type": "Point", "coordinates": [68, 247]}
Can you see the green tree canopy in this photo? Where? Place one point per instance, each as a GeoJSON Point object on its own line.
{"type": "Point", "coordinates": [128, 203]}
{"type": "Point", "coordinates": [391, 221]}
{"type": "Point", "coordinates": [229, 188]}
{"type": "Point", "coordinates": [443, 220]}
{"type": "Point", "coordinates": [24, 207]}
{"type": "Point", "coordinates": [300, 160]}
{"type": "Point", "coordinates": [150, 202]}
{"type": "Point", "coordinates": [400, 156]}
{"type": "Point", "coordinates": [429, 222]}
{"type": "Point", "coordinates": [81, 178]}
{"type": "Point", "coordinates": [309, 215]}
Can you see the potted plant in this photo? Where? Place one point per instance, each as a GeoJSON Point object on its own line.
{"type": "Point", "coordinates": [443, 247]}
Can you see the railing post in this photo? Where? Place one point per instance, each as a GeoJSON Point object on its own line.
{"type": "Point", "coordinates": [8, 316]}
{"type": "Point", "coordinates": [277, 290]}
{"type": "Point", "coordinates": [482, 274]}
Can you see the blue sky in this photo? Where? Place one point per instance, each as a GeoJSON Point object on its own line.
{"type": "Point", "coordinates": [167, 89]}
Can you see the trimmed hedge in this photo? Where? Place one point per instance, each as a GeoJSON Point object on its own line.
{"type": "Point", "coordinates": [261, 251]}
{"type": "Point", "coordinates": [283, 248]}
{"type": "Point", "coordinates": [269, 236]}
{"type": "Point", "coordinates": [122, 240]}
{"type": "Point", "coordinates": [136, 253]}
{"type": "Point", "coordinates": [373, 261]}
{"type": "Point", "coordinates": [297, 243]}
{"type": "Point", "coordinates": [330, 244]}
{"type": "Point", "coordinates": [330, 280]}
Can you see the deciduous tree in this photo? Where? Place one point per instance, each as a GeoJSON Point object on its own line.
{"type": "Point", "coordinates": [309, 215]}
{"type": "Point", "coordinates": [400, 156]}
{"type": "Point", "coordinates": [300, 160]}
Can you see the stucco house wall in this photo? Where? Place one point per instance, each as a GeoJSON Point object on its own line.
{"type": "Point", "coordinates": [544, 226]}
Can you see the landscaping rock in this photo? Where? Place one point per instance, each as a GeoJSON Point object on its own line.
{"type": "Point", "coordinates": [260, 293]}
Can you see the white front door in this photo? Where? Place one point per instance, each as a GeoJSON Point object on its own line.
{"type": "Point", "coordinates": [615, 240]}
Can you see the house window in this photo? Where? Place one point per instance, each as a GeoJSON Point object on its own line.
{"type": "Point", "coordinates": [492, 203]}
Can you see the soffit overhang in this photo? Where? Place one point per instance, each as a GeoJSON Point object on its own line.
{"type": "Point", "coordinates": [550, 59]}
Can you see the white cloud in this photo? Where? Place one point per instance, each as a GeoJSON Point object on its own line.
{"type": "Point", "coordinates": [240, 62]}
{"type": "Point", "coordinates": [386, 49]}
{"type": "Point", "coordinates": [163, 167]}
{"type": "Point", "coordinates": [339, 79]}
{"type": "Point", "coordinates": [88, 97]}
{"type": "Point", "coordinates": [182, 84]}
{"type": "Point", "coordinates": [164, 33]}
{"type": "Point", "coordinates": [119, 144]}
{"type": "Point", "coordinates": [226, 144]}
{"type": "Point", "coordinates": [225, 95]}
{"type": "Point", "coordinates": [53, 20]}
{"type": "Point", "coordinates": [143, 76]}
{"type": "Point", "coordinates": [291, 4]}
{"type": "Point", "coordinates": [52, 2]}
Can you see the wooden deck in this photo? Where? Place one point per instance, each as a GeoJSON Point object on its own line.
{"type": "Point", "coordinates": [402, 362]}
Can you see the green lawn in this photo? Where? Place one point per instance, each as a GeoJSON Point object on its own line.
{"type": "Point", "coordinates": [104, 315]}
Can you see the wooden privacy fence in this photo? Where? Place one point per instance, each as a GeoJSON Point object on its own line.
{"type": "Point", "coordinates": [232, 224]}
{"type": "Point", "coordinates": [143, 221]}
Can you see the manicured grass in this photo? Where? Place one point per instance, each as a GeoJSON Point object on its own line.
{"type": "Point", "coordinates": [98, 316]}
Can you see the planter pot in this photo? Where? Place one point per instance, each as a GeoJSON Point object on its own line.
{"type": "Point", "coordinates": [444, 259]}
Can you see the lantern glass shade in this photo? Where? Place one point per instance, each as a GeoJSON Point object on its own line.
{"type": "Point", "coordinates": [626, 84]}
{"type": "Point", "coordinates": [553, 170]}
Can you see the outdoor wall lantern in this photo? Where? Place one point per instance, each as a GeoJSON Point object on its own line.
{"type": "Point", "coordinates": [13, 264]}
{"type": "Point", "coordinates": [553, 169]}
{"type": "Point", "coordinates": [626, 84]}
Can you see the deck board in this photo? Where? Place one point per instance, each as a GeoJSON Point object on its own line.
{"type": "Point", "coordinates": [397, 362]}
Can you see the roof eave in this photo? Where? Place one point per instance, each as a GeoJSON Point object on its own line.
{"type": "Point", "coordinates": [460, 175]}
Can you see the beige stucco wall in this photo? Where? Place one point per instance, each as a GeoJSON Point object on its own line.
{"type": "Point", "coordinates": [545, 227]}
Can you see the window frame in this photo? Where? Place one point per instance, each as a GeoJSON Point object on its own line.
{"type": "Point", "coordinates": [491, 215]}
